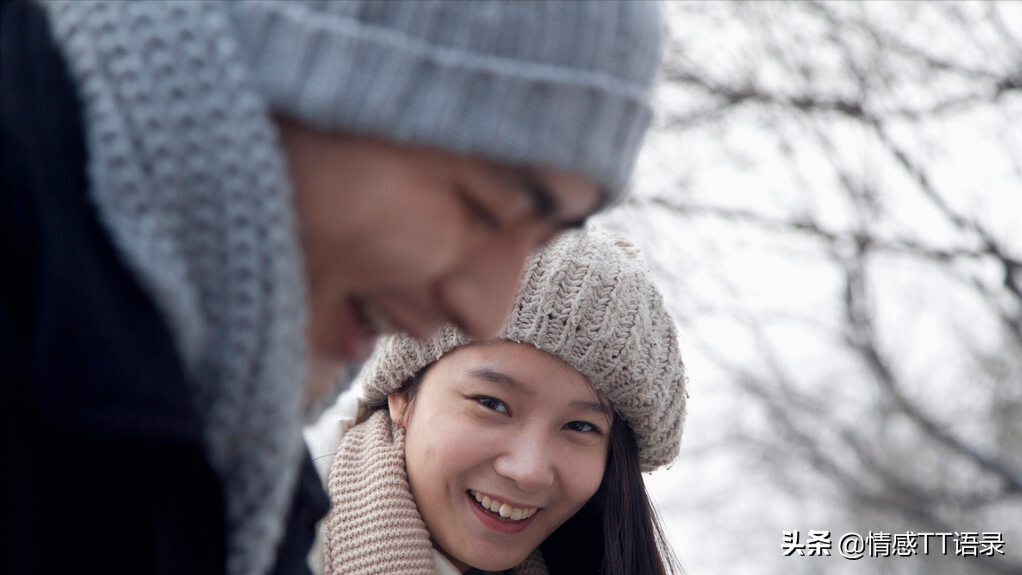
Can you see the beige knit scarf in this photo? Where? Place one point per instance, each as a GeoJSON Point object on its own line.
{"type": "Point", "coordinates": [374, 527]}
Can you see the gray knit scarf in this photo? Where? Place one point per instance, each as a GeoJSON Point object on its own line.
{"type": "Point", "coordinates": [374, 526]}
{"type": "Point", "coordinates": [190, 184]}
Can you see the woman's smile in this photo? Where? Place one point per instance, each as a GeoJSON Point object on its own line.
{"type": "Point", "coordinates": [504, 510]}
{"type": "Point", "coordinates": [499, 516]}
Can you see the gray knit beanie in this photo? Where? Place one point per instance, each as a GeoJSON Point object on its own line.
{"type": "Point", "coordinates": [589, 299]}
{"type": "Point", "coordinates": [560, 84]}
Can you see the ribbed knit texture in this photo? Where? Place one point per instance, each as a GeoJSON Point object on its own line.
{"type": "Point", "coordinates": [374, 526]}
{"type": "Point", "coordinates": [555, 84]}
{"type": "Point", "coordinates": [588, 299]}
{"type": "Point", "coordinates": [190, 185]}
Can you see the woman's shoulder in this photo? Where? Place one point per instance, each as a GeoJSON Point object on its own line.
{"type": "Point", "coordinates": [323, 436]}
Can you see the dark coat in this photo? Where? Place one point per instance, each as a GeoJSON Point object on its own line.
{"type": "Point", "coordinates": [103, 465]}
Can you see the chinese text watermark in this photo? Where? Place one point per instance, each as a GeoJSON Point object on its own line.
{"type": "Point", "coordinates": [881, 544]}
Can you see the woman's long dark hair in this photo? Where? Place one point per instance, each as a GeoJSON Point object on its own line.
{"type": "Point", "coordinates": [617, 531]}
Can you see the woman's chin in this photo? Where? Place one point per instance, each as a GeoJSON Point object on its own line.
{"type": "Point", "coordinates": [490, 562]}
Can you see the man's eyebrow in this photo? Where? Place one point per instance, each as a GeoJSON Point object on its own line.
{"type": "Point", "coordinates": [500, 378]}
{"type": "Point", "coordinates": [576, 224]}
{"type": "Point", "coordinates": [544, 201]}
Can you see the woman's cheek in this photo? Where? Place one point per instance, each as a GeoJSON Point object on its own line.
{"type": "Point", "coordinates": [584, 473]}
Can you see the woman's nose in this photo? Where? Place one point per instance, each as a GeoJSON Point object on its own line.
{"type": "Point", "coordinates": [528, 462]}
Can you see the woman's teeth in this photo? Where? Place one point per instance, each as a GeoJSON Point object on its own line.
{"type": "Point", "coordinates": [503, 509]}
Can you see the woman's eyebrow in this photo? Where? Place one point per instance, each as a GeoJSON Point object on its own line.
{"type": "Point", "coordinates": [500, 378]}
{"type": "Point", "coordinates": [596, 406]}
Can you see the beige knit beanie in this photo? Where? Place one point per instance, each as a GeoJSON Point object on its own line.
{"type": "Point", "coordinates": [589, 299]}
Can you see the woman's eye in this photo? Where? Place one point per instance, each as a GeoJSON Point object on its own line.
{"type": "Point", "coordinates": [492, 403]}
{"type": "Point", "coordinates": [584, 427]}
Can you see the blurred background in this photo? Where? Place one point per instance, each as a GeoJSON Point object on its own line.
{"type": "Point", "coordinates": [831, 199]}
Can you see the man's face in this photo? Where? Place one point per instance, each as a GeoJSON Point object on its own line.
{"type": "Point", "coordinates": [406, 238]}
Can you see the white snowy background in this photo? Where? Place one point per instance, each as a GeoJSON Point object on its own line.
{"type": "Point", "coordinates": [831, 199]}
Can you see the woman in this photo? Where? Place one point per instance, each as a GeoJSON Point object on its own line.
{"type": "Point", "coordinates": [522, 453]}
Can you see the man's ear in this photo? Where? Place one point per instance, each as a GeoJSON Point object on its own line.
{"type": "Point", "coordinates": [397, 404]}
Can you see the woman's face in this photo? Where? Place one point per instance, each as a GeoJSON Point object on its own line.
{"type": "Point", "coordinates": [504, 425]}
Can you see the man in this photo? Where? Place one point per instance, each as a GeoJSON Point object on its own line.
{"type": "Point", "coordinates": [205, 205]}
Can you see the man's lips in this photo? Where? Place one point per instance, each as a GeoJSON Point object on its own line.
{"type": "Point", "coordinates": [349, 335]}
{"type": "Point", "coordinates": [393, 318]}
{"type": "Point", "coordinates": [351, 341]}
{"type": "Point", "coordinates": [372, 319]}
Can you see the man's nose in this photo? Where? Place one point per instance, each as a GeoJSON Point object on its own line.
{"type": "Point", "coordinates": [528, 461]}
{"type": "Point", "coordinates": [479, 293]}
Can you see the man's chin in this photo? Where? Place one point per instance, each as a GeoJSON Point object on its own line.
{"type": "Point", "coordinates": [324, 382]}
{"type": "Point", "coordinates": [320, 379]}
